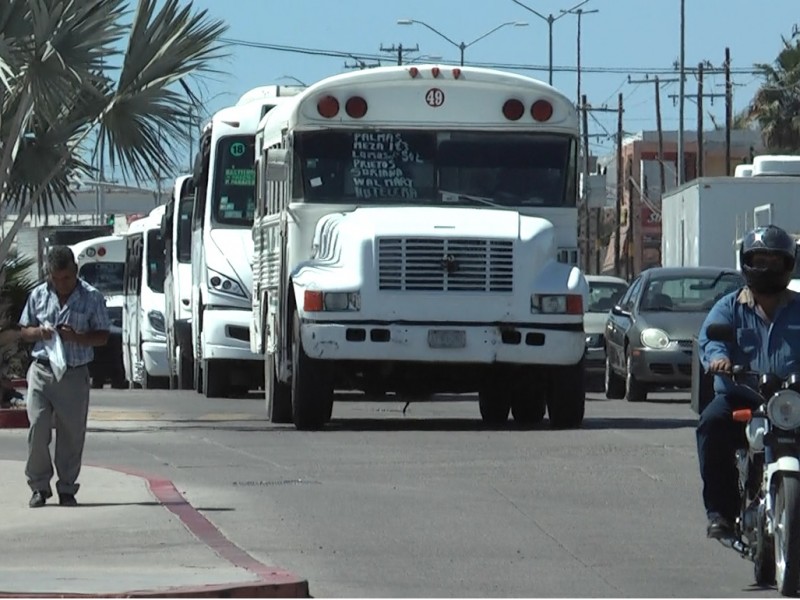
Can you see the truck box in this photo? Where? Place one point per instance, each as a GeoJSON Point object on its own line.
{"type": "Point", "coordinates": [702, 220]}
{"type": "Point", "coordinates": [33, 242]}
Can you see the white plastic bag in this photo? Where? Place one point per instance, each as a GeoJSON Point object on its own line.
{"type": "Point", "coordinates": [55, 353]}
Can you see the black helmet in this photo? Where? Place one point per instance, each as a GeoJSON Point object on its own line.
{"type": "Point", "coordinates": [769, 240]}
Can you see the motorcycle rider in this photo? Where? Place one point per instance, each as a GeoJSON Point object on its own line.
{"type": "Point", "coordinates": [766, 317]}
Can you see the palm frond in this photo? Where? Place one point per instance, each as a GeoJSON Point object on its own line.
{"type": "Point", "coordinates": [148, 117]}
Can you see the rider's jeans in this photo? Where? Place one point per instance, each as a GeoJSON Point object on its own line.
{"type": "Point", "coordinates": [718, 437]}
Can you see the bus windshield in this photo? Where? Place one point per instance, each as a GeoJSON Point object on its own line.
{"type": "Point", "coordinates": [156, 270]}
{"type": "Point", "coordinates": [184, 241]}
{"type": "Point", "coordinates": [515, 169]}
{"type": "Point", "coordinates": [234, 181]}
{"type": "Point", "coordinates": [107, 277]}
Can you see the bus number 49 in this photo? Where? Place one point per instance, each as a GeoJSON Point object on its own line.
{"type": "Point", "coordinates": [434, 97]}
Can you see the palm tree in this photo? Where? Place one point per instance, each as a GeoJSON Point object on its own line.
{"type": "Point", "coordinates": [13, 294]}
{"type": "Point", "coordinates": [69, 68]}
{"type": "Point", "coordinates": [776, 105]}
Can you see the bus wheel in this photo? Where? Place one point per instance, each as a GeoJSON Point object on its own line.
{"type": "Point", "coordinates": [185, 365]}
{"type": "Point", "coordinates": [214, 379]}
{"type": "Point", "coordinates": [567, 398]}
{"type": "Point", "coordinates": [312, 386]}
{"type": "Point", "coordinates": [278, 395]}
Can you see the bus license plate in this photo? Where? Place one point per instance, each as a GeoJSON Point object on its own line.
{"type": "Point", "coordinates": [447, 338]}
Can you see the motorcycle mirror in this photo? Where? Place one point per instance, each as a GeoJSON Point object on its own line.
{"type": "Point", "coordinates": [721, 332]}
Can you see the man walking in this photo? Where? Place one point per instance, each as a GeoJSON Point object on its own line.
{"type": "Point", "coordinates": [68, 307]}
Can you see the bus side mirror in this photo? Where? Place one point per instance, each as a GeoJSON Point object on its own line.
{"type": "Point", "coordinates": [277, 168]}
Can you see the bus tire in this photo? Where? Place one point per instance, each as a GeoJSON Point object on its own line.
{"type": "Point", "coordinates": [312, 387]}
{"type": "Point", "coordinates": [215, 382]}
{"type": "Point", "coordinates": [566, 401]}
{"type": "Point", "coordinates": [278, 395]}
{"type": "Point", "coordinates": [185, 365]}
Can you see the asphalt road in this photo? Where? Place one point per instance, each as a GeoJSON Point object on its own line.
{"type": "Point", "coordinates": [432, 503]}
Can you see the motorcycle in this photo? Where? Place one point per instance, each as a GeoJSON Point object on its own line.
{"type": "Point", "coordinates": [767, 530]}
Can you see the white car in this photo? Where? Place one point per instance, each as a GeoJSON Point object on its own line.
{"type": "Point", "coordinates": [604, 292]}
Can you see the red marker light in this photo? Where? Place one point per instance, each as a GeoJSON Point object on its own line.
{"type": "Point", "coordinates": [328, 107]}
{"type": "Point", "coordinates": [101, 251]}
{"type": "Point", "coordinates": [413, 71]}
{"type": "Point", "coordinates": [456, 73]}
{"type": "Point", "coordinates": [542, 110]}
{"type": "Point", "coordinates": [436, 71]}
{"type": "Point", "coordinates": [356, 107]}
{"type": "Point", "coordinates": [513, 109]}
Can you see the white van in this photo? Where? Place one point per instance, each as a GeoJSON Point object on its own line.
{"type": "Point", "coordinates": [144, 338]}
{"type": "Point", "coordinates": [101, 263]}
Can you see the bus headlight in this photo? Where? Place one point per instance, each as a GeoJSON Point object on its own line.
{"type": "Point", "coordinates": [220, 283]}
{"type": "Point", "coordinates": [317, 301]}
{"type": "Point", "coordinates": [157, 322]}
{"type": "Point", "coordinates": [783, 409]}
{"type": "Point", "coordinates": [656, 339]}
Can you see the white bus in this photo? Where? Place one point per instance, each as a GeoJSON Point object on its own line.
{"type": "Point", "coordinates": [101, 263]}
{"type": "Point", "coordinates": [222, 246]}
{"type": "Point", "coordinates": [416, 233]}
{"type": "Point", "coordinates": [176, 231]}
{"type": "Point", "coordinates": [144, 339]}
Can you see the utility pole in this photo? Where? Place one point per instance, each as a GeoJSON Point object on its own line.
{"type": "Point", "coordinates": [728, 111]}
{"type": "Point", "coordinates": [698, 98]}
{"type": "Point", "coordinates": [661, 161]}
{"type": "Point", "coordinates": [585, 199]}
{"type": "Point", "coordinates": [580, 12]}
{"type": "Point", "coordinates": [400, 50]}
{"type": "Point", "coordinates": [586, 109]}
{"type": "Point", "coordinates": [700, 145]}
{"type": "Point", "coordinates": [681, 92]}
{"type": "Point", "coordinates": [620, 173]}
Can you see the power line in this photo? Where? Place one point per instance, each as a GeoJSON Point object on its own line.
{"type": "Point", "coordinates": [507, 66]}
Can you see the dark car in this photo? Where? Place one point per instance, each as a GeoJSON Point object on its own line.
{"type": "Point", "coordinates": [649, 332]}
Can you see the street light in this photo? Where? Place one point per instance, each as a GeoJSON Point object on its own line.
{"type": "Point", "coordinates": [462, 46]}
{"type": "Point", "coordinates": [550, 20]}
{"type": "Point", "coordinates": [293, 78]}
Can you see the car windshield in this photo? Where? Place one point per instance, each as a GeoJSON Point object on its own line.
{"type": "Point", "coordinates": [435, 167]}
{"type": "Point", "coordinates": [694, 293]}
{"type": "Point", "coordinates": [107, 277]}
{"type": "Point", "coordinates": [603, 295]}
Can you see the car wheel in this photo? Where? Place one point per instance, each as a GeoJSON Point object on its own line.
{"type": "Point", "coordinates": [614, 384]}
{"type": "Point", "coordinates": [635, 390]}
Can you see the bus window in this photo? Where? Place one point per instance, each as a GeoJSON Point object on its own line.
{"type": "Point", "coordinates": [107, 277]}
{"type": "Point", "coordinates": [509, 169]}
{"type": "Point", "coordinates": [156, 271]}
{"type": "Point", "coordinates": [234, 200]}
{"type": "Point", "coordinates": [184, 241]}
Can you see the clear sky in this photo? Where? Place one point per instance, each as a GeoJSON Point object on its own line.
{"type": "Point", "coordinates": [626, 37]}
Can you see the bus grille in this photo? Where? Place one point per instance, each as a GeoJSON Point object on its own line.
{"type": "Point", "coordinates": [445, 265]}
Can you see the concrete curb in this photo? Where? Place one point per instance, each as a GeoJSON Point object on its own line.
{"type": "Point", "coordinates": [273, 582]}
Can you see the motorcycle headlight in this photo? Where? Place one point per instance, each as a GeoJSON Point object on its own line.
{"type": "Point", "coordinates": [657, 339]}
{"type": "Point", "coordinates": [783, 409]}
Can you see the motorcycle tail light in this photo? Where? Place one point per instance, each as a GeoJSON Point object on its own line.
{"type": "Point", "coordinates": [743, 415]}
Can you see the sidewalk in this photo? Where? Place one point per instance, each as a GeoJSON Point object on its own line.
{"type": "Point", "coordinates": [141, 540]}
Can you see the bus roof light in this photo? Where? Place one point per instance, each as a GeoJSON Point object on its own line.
{"type": "Point", "coordinates": [356, 107]}
{"type": "Point", "coordinates": [435, 71]}
{"type": "Point", "coordinates": [542, 110]}
{"type": "Point", "coordinates": [456, 73]}
{"type": "Point", "coordinates": [513, 109]}
{"type": "Point", "coordinates": [413, 71]}
{"type": "Point", "coordinates": [328, 107]}
{"type": "Point", "coordinates": [101, 251]}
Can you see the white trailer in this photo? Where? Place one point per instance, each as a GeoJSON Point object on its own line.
{"type": "Point", "coordinates": [702, 220]}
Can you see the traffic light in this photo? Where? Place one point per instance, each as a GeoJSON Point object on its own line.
{"type": "Point", "coordinates": [110, 219]}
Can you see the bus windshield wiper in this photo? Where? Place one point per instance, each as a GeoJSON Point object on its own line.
{"type": "Point", "coordinates": [452, 197]}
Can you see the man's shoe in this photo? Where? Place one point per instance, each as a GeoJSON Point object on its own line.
{"type": "Point", "coordinates": [67, 500]}
{"type": "Point", "coordinates": [719, 528]}
{"type": "Point", "coordinates": [38, 499]}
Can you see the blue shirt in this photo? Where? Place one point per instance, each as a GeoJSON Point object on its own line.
{"type": "Point", "coordinates": [760, 345]}
{"type": "Point", "coordinates": [84, 310]}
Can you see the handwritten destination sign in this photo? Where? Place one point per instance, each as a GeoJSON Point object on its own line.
{"type": "Point", "coordinates": [378, 161]}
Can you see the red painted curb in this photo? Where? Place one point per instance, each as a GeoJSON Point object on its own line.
{"type": "Point", "coordinates": [274, 582]}
{"type": "Point", "coordinates": [14, 418]}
